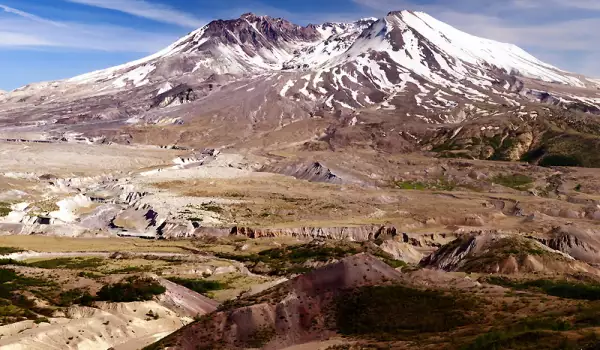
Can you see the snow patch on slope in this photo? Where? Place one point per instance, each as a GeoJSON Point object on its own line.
{"type": "Point", "coordinates": [136, 76]}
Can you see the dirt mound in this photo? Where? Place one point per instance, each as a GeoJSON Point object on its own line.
{"type": "Point", "coordinates": [314, 172]}
{"type": "Point", "coordinates": [505, 254]}
{"type": "Point", "coordinates": [291, 313]}
{"type": "Point", "coordinates": [109, 325]}
{"type": "Point", "coordinates": [119, 325]}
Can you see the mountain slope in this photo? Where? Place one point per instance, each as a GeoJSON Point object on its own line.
{"type": "Point", "coordinates": [405, 74]}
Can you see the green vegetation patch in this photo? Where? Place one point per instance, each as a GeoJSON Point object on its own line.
{"type": "Point", "coordinates": [538, 332]}
{"type": "Point", "coordinates": [389, 312]}
{"type": "Point", "coordinates": [75, 296]}
{"type": "Point", "coordinates": [515, 181]}
{"type": "Point", "coordinates": [439, 185]}
{"type": "Point", "coordinates": [563, 148]}
{"type": "Point", "coordinates": [128, 269]}
{"type": "Point", "coordinates": [9, 250]}
{"type": "Point", "coordinates": [411, 185]}
{"type": "Point", "coordinates": [131, 289]}
{"type": "Point", "coordinates": [212, 208]}
{"type": "Point", "coordinates": [4, 209]}
{"type": "Point", "coordinates": [528, 339]}
{"type": "Point", "coordinates": [68, 263]}
{"type": "Point", "coordinates": [14, 306]}
{"type": "Point", "coordinates": [560, 160]}
{"type": "Point", "coordinates": [5, 262]}
{"type": "Point", "coordinates": [199, 285]}
{"type": "Point", "coordinates": [293, 259]}
{"type": "Point", "coordinates": [261, 337]}
{"type": "Point", "coordinates": [561, 289]}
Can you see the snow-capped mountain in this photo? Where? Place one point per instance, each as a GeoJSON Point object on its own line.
{"type": "Point", "coordinates": [269, 73]}
{"type": "Point", "coordinates": [414, 41]}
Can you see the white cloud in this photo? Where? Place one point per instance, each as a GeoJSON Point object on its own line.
{"type": "Point", "coordinates": [9, 39]}
{"type": "Point", "coordinates": [145, 9]}
{"type": "Point", "coordinates": [21, 32]}
{"type": "Point", "coordinates": [29, 16]}
{"type": "Point", "coordinates": [593, 5]}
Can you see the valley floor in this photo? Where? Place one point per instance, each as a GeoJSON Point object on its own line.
{"type": "Point", "coordinates": [119, 246]}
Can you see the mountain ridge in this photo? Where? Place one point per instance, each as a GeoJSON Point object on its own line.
{"type": "Point", "coordinates": [212, 30]}
{"type": "Point", "coordinates": [407, 72]}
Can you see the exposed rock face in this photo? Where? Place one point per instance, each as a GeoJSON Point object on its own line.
{"type": "Point", "coordinates": [402, 251]}
{"type": "Point", "coordinates": [179, 95]}
{"type": "Point", "coordinates": [314, 172]}
{"type": "Point", "coordinates": [358, 233]}
{"type": "Point", "coordinates": [583, 245]}
{"type": "Point", "coordinates": [534, 134]}
{"type": "Point", "coordinates": [258, 31]}
{"type": "Point", "coordinates": [136, 219]}
{"type": "Point", "coordinates": [185, 301]}
{"type": "Point", "coordinates": [398, 244]}
{"type": "Point", "coordinates": [492, 253]}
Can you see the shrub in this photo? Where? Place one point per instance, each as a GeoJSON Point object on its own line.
{"type": "Point", "coordinates": [128, 269]}
{"type": "Point", "coordinates": [293, 259]}
{"type": "Point", "coordinates": [560, 160]}
{"type": "Point", "coordinates": [90, 275]}
{"type": "Point", "coordinates": [131, 289]}
{"type": "Point", "coordinates": [500, 340]}
{"type": "Point", "coordinates": [212, 208]}
{"type": "Point", "coordinates": [9, 250]}
{"type": "Point", "coordinates": [198, 285]}
{"type": "Point", "coordinates": [152, 315]}
{"type": "Point", "coordinates": [4, 209]}
{"type": "Point", "coordinates": [259, 338]}
{"type": "Point", "coordinates": [75, 296]}
{"type": "Point", "coordinates": [390, 311]}
{"type": "Point", "coordinates": [41, 320]}
{"type": "Point", "coordinates": [68, 263]}
{"type": "Point", "coordinates": [4, 262]}
{"type": "Point", "coordinates": [561, 289]}
{"type": "Point", "coordinates": [439, 185]}
{"type": "Point", "coordinates": [15, 306]}
{"type": "Point", "coordinates": [528, 333]}
{"type": "Point", "coordinates": [515, 181]}
{"type": "Point", "coordinates": [411, 185]}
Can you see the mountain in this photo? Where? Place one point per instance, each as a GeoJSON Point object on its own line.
{"type": "Point", "coordinates": [406, 73]}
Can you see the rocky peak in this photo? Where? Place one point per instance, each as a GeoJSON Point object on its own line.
{"type": "Point", "coordinates": [400, 14]}
{"type": "Point", "coordinates": [258, 30]}
{"type": "Point", "coordinates": [366, 22]}
{"type": "Point", "coordinates": [251, 17]}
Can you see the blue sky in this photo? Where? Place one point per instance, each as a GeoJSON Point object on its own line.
{"type": "Point", "coordinates": [54, 39]}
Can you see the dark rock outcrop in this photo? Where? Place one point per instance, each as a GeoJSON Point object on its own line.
{"type": "Point", "coordinates": [314, 172]}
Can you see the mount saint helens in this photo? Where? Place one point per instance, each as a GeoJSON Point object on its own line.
{"type": "Point", "coordinates": [404, 82]}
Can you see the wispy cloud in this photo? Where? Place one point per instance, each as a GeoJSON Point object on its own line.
{"type": "Point", "coordinates": [29, 30]}
{"type": "Point", "coordinates": [593, 5]}
{"type": "Point", "coordinates": [9, 39]}
{"type": "Point", "coordinates": [30, 16]}
{"type": "Point", "coordinates": [145, 9]}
